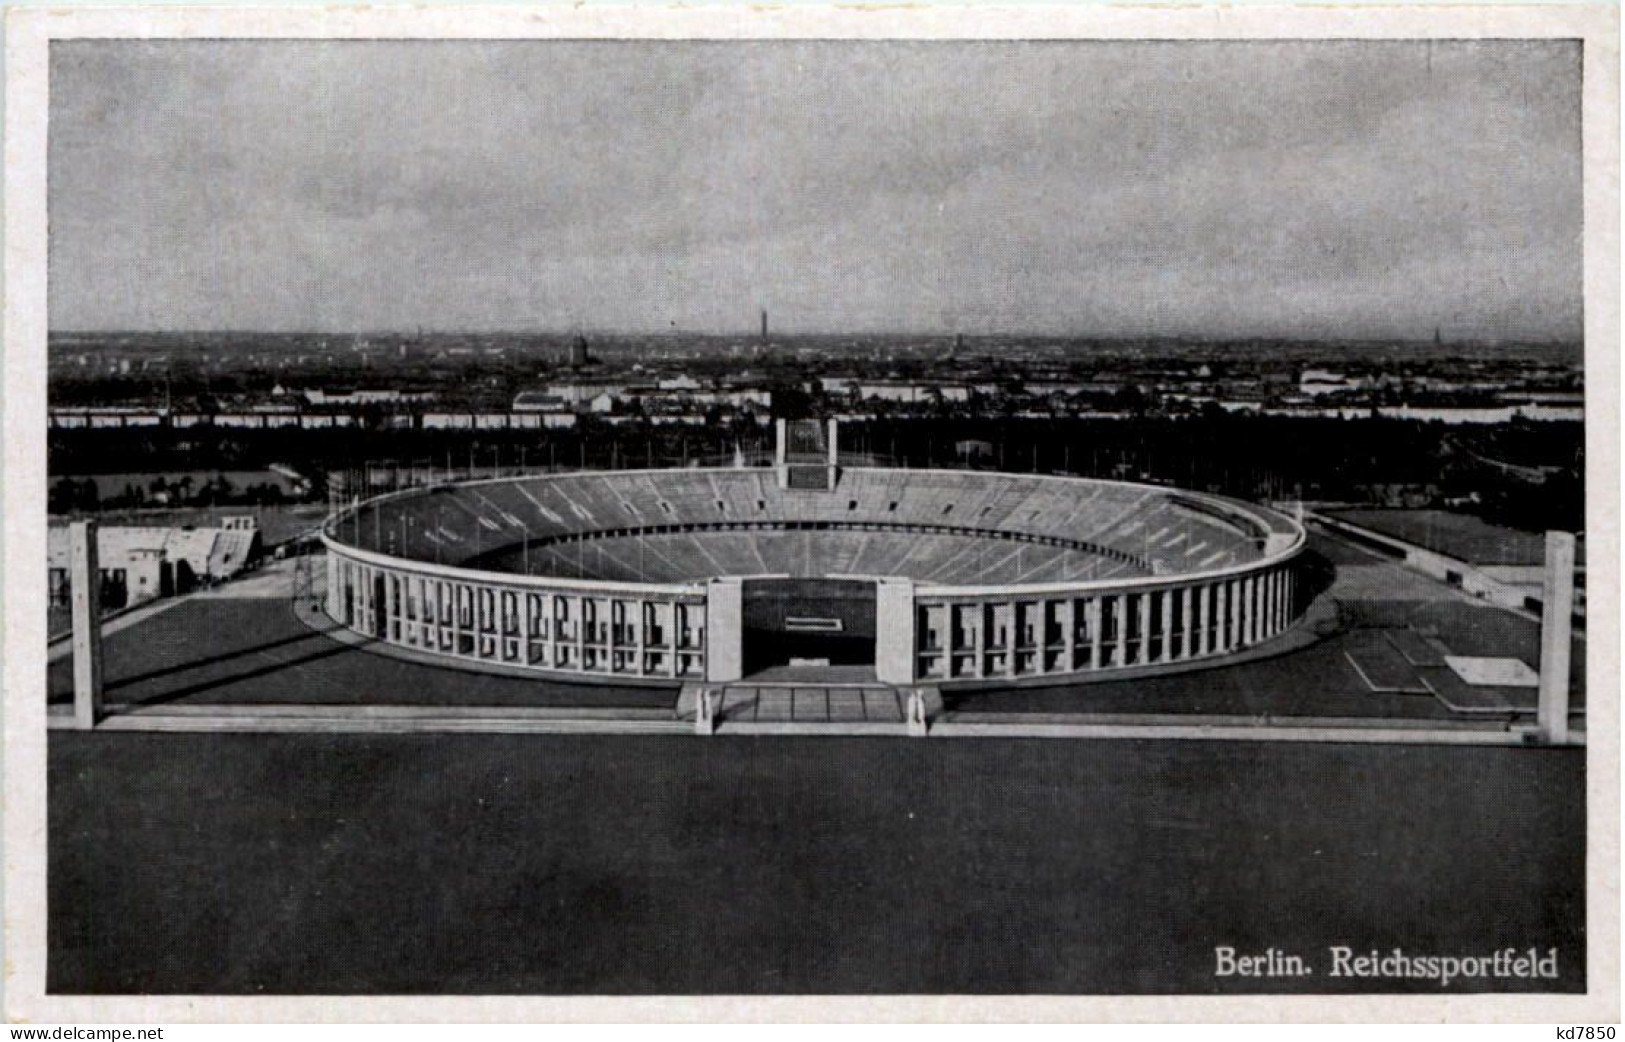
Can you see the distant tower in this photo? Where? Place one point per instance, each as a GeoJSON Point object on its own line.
{"type": "Point", "coordinates": [1437, 340]}
{"type": "Point", "coordinates": [578, 352]}
{"type": "Point", "coordinates": [764, 324]}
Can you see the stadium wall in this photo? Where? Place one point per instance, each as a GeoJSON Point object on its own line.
{"type": "Point", "coordinates": [554, 626]}
{"type": "Point", "coordinates": [924, 633]}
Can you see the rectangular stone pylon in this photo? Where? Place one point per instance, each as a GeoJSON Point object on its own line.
{"type": "Point", "coordinates": [894, 631]}
{"type": "Point", "coordinates": [1556, 626]}
{"type": "Point", "coordinates": [724, 630]}
{"type": "Point", "coordinates": [86, 586]}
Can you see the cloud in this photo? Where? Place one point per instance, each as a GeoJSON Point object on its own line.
{"type": "Point", "coordinates": [1336, 188]}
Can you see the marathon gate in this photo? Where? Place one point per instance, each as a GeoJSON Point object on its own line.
{"type": "Point", "coordinates": [809, 620]}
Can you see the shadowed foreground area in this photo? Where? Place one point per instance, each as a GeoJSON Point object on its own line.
{"type": "Point", "coordinates": [477, 863]}
{"type": "Point", "coordinates": [249, 651]}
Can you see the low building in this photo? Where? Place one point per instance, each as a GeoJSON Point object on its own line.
{"type": "Point", "coordinates": [540, 401]}
{"type": "Point", "coordinates": [143, 562]}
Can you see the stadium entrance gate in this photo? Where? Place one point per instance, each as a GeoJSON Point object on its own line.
{"type": "Point", "coordinates": [806, 622]}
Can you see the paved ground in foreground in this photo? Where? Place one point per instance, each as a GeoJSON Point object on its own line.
{"type": "Point", "coordinates": [467, 864]}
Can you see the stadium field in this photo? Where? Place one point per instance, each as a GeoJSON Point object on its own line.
{"type": "Point", "coordinates": [573, 865]}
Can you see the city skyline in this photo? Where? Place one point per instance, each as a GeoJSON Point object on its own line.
{"type": "Point", "coordinates": [1337, 191]}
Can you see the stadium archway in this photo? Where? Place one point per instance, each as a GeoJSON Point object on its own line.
{"type": "Point", "coordinates": [807, 621]}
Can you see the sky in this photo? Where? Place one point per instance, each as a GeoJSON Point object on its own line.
{"type": "Point", "coordinates": [1336, 189]}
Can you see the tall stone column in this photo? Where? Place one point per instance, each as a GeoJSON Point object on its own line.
{"type": "Point", "coordinates": [780, 449]}
{"type": "Point", "coordinates": [894, 631]}
{"type": "Point", "coordinates": [1120, 618]}
{"type": "Point", "coordinates": [1144, 655]}
{"type": "Point", "coordinates": [724, 630]}
{"type": "Point", "coordinates": [86, 579]}
{"type": "Point", "coordinates": [1187, 620]}
{"type": "Point", "coordinates": [1096, 642]}
{"type": "Point", "coordinates": [1249, 610]}
{"type": "Point", "coordinates": [1556, 630]}
{"type": "Point", "coordinates": [1204, 611]}
{"type": "Point", "coordinates": [1069, 635]}
{"type": "Point", "coordinates": [335, 587]}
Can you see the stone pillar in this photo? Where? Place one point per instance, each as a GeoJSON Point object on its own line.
{"type": "Point", "coordinates": [1069, 635]}
{"type": "Point", "coordinates": [724, 629]}
{"type": "Point", "coordinates": [832, 458]}
{"type": "Point", "coordinates": [1157, 615]}
{"type": "Point", "coordinates": [780, 448]}
{"type": "Point", "coordinates": [1168, 599]}
{"type": "Point", "coordinates": [1142, 655]}
{"type": "Point", "coordinates": [705, 722]}
{"type": "Point", "coordinates": [918, 723]}
{"type": "Point", "coordinates": [1221, 598]}
{"type": "Point", "coordinates": [85, 578]}
{"type": "Point", "coordinates": [1556, 625]}
{"type": "Point", "coordinates": [527, 622]}
{"type": "Point", "coordinates": [1182, 644]}
{"type": "Point", "coordinates": [335, 587]}
{"type": "Point", "coordinates": [979, 634]}
{"type": "Point", "coordinates": [894, 631]}
{"type": "Point", "coordinates": [1117, 630]}
{"type": "Point", "coordinates": [581, 631]}
{"type": "Point", "coordinates": [1097, 647]}
{"type": "Point", "coordinates": [1200, 618]}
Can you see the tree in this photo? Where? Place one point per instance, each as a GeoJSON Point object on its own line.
{"type": "Point", "coordinates": [64, 495]}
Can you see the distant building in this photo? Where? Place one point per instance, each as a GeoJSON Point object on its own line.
{"type": "Point", "coordinates": [346, 396]}
{"type": "Point", "coordinates": [1316, 382]}
{"type": "Point", "coordinates": [540, 401]}
{"type": "Point", "coordinates": [902, 391]}
{"type": "Point", "coordinates": [580, 392]}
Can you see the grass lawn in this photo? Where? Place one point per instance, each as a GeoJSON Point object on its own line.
{"type": "Point", "coordinates": [552, 864]}
{"type": "Point", "coordinates": [1461, 536]}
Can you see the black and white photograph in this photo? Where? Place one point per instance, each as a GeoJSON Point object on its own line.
{"type": "Point", "coordinates": [815, 514]}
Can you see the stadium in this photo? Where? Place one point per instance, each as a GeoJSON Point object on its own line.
{"type": "Point", "coordinates": [808, 569]}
